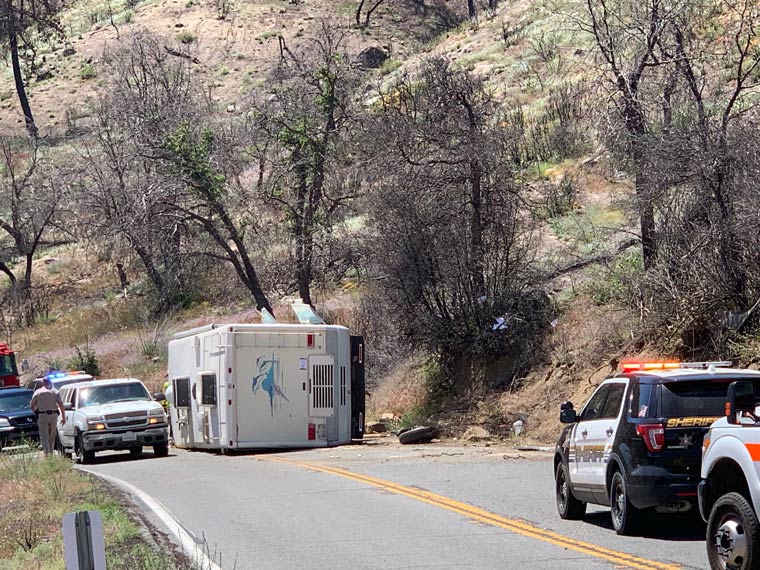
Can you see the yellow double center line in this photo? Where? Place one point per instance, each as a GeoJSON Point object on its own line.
{"type": "Point", "coordinates": [483, 516]}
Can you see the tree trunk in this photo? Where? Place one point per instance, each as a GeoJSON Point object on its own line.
{"type": "Point", "coordinates": [31, 127]}
{"type": "Point", "coordinates": [369, 12]}
{"type": "Point", "coordinates": [358, 14]}
{"type": "Point", "coordinates": [123, 279]}
{"type": "Point", "coordinates": [636, 127]}
{"type": "Point", "coordinates": [5, 269]}
{"type": "Point", "coordinates": [471, 9]}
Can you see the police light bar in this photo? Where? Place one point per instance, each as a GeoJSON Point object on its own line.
{"type": "Point", "coordinates": [633, 366]}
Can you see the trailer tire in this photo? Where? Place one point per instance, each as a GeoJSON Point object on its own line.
{"type": "Point", "coordinates": [732, 534]}
{"type": "Point", "coordinates": [161, 450]}
{"type": "Point", "coordinates": [418, 435]}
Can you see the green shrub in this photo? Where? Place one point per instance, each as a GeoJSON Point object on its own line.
{"type": "Point", "coordinates": [611, 284]}
{"type": "Point", "coordinates": [88, 71]}
{"type": "Point", "coordinates": [186, 37]}
{"type": "Point", "coordinates": [85, 359]}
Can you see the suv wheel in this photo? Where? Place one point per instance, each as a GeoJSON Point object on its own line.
{"type": "Point", "coordinates": [82, 455]}
{"type": "Point", "coordinates": [625, 517]}
{"type": "Point", "coordinates": [568, 506]}
{"type": "Point", "coordinates": [135, 451]}
{"type": "Point", "coordinates": [731, 534]}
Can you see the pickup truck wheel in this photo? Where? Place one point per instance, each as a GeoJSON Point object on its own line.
{"type": "Point", "coordinates": [59, 445]}
{"type": "Point", "coordinates": [625, 517]}
{"type": "Point", "coordinates": [161, 450]}
{"type": "Point", "coordinates": [135, 451]}
{"type": "Point", "coordinates": [568, 506]}
{"type": "Point", "coordinates": [732, 532]}
{"type": "Point", "coordinates": [80, 453]}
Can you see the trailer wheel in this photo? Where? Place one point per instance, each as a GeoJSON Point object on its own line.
{"type": "Point", "coordinates": [732, 532]}
{"type": "Point", "coordinates": [418, 435]}
{"type": "Point", "coordinates": [161, 450]}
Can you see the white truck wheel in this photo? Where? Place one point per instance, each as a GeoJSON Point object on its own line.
{"type": "Point", "coordinates": [732, 533]}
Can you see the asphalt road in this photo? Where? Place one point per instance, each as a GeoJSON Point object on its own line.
{"type": "Point", "coordinates": [386, 506]}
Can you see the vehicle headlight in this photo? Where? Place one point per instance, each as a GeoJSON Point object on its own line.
{"type": "Point", "coordinates": [96, 422]}
{"type": "Point", "coordinates": [157, 416]}
{"type": "Point", "coordinates": [4, 423]}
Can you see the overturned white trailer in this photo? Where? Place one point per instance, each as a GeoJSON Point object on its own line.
{"type": "Point", "coordinates": [274, 385]}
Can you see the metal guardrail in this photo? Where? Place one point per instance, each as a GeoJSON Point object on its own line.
{"type": "Point", "coordinates": [84, 541]}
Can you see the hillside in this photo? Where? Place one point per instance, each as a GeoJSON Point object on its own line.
{"type": "Point", "coordinates": [544, 86]}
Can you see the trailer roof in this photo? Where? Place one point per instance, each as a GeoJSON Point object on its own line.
{"type": "Point", "coordinates": [241, 327]}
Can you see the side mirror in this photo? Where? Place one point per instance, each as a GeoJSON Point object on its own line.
{"type": "Point", "coordinates": [68, 406]}
{"type": "Point", "coordinates": [740, 398]}
{"type": "Point", "coordinates": [159, 397]}
{"type": "Point", "coordinates": [567, 414]}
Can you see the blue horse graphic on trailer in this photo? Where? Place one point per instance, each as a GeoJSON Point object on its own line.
{"type": "Point", "coordinates": [267, 379]}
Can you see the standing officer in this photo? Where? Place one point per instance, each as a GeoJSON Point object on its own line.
{"type": "Point", "coordinates": [44, 402]}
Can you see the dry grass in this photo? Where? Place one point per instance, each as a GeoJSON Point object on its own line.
{"type": "Point", "coordinates": [403, 390]}
{"type": "Point", "coordinates": [37, 492]}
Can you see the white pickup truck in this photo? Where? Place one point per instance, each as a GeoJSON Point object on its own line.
{"type": "Point", "coordinates": [729, 493]}
{"type": "Point", "coordinates": [111, 414]}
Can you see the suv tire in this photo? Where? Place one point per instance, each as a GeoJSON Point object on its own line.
{"type": "Point", "coordinates": [625, 517]}
{"type": "Point", "coordinates": [732, 532]}
{"type": "Point", "coordinates": [568, 506]}
{"type": "Point", "coordinates": [136, 451]}
{"type": "Point", "coordinates": [80, 453]}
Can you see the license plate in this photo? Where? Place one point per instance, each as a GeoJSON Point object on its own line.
{"type": "Point", "coordinates": [129, 436]}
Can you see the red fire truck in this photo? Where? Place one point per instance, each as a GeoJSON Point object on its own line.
{"type": "Point", "coordinates": [8, 370]}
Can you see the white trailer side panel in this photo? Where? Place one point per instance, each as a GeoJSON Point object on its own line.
{"type": "Point", "coordinates": [272, 384]}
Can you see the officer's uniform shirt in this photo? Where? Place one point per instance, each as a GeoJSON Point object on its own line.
{"type": "Point", "coordinates": [46, 400]}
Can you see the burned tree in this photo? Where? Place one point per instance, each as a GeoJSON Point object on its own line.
{"type": "Point", "coordinates": [300, 135]}
{"type": "Point", "coordinates": [451, 238]}
{"type": "Point", "coordinates": [19, 19]}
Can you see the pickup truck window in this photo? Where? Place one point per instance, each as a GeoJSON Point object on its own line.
{"type": "Point", "coordinates": [97, 395]}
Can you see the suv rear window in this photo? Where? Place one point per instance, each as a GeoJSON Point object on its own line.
{"type": "Point", "coordinates": [701, 398]}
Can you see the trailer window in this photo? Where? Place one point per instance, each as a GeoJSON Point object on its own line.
{"type": "Point", "coordinates": [208, 389]}
{"type": "Point", "coordinates": [182, 392]}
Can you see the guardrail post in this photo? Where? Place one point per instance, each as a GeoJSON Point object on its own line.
{"type": "Point", "coordinates": [84, 541]}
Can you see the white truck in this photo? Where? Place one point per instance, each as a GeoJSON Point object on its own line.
{"type": "Point", "coordinates": [269, 385]}
{"type": "Point", "coordinates": [111, 414]}
{"type": "Point", "coordinates": [729, 493]}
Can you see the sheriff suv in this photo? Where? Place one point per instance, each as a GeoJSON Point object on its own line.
{"type": "Point", "coordinates": [111, 414]}
{"type": "Point", "coordinates": [637, 443]}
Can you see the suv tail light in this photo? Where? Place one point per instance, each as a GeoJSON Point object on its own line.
{"type": "Point", "coordinates": [653, 434]}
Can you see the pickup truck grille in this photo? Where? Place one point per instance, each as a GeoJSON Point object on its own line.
{"type": "Point", "coordinates": [126, 420]}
